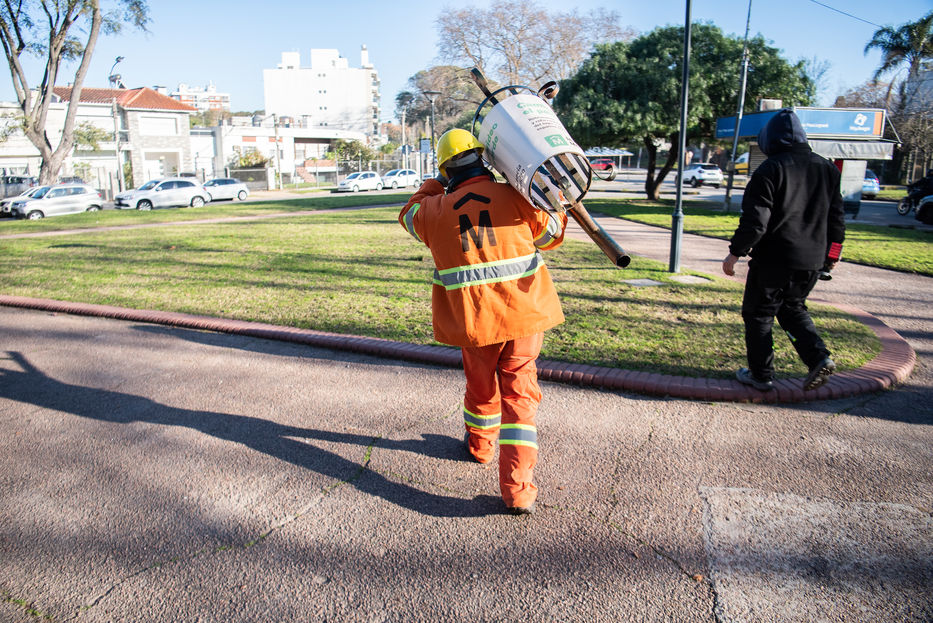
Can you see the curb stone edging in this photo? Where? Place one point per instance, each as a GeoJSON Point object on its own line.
{"type": "Point", "coordinates": [890, 367]}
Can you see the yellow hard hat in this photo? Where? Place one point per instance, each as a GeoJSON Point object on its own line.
{"type": "Point", "coordinates": [453, 143]}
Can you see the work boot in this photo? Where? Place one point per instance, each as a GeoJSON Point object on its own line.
{"type": "Point", "coordinates": [745, 376]}
{"type": "Point", "coordinates": [521, 510]}
{"type": "Point", "coordinates": [819, 374]}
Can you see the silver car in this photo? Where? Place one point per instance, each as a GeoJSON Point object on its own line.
{"type": "Point", "coordinates": [226, 188]}
{"type": "Point", "coordinates": [59, 199]}
{"type": "Point", "coordinates": [168, 192]}
{"type": "Point", "coordinates": [400, 177]}
{"type": "Point", "coordinates": [36, 192]}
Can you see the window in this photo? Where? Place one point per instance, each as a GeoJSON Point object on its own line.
{"type": "Point", "coordinates": [183, 184]}
{"type": "Point", "coordinates": [152, 125]}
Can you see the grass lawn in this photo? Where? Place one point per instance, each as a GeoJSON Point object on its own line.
{"type": "Point", "coordinates": [316, 200]}
{"type": "Point", "coordinates": [892, 193]}
{"type": "Point", "coordinates": [358, 272]}
{"type": "Point", "coordinates": [906, 250]}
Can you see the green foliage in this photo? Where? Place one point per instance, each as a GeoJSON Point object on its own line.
{"type": "Point", "coordinates": [909, 44]}
{"type": "Point", "coordinates": [351, 150]}
{"type": "Point", "coordinates": [630, 91]}
{"type": "Point", "coordinates": [250, 160]}
{"type": "Point", "coordinates": [89, 136]}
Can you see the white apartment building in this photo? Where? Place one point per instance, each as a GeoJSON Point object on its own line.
{"type": "Point", "coordinates": [327, 94]}
{"type": "Point", "coordinates": [203, 98]}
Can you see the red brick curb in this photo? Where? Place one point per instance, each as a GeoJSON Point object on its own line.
{"type": "Point", "coordinates": [893, 364]}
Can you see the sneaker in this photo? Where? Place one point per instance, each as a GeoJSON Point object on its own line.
{"type": "Point", "coordinates": [522, 510]}
{"type": "Point", "coordinates": [819, 374]}
{"type": "Point", "coordinates": [744, 375]}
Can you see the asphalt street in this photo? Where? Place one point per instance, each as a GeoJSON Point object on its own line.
{"type": "Point", "coordinates": [150, 473]}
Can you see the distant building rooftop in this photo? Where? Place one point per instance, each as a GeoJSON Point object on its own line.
{"type": "Point", "coordinates": [143, 98]}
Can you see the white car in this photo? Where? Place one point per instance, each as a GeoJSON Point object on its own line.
{"type": "Point", "coordinates": [700, 173]}
{"type": "Point", "coordinates": [163, 193]}
{"type": "Point", "coordinates": [226, 188]}
{"type": "Point", "coordinates": [36, 192]}
{"type": "Point", "coordinates": [400, 177]}
{"type": "Point", "coordinates": [364, 180]}
{"type": "Point", "coordinates": [59, 199]}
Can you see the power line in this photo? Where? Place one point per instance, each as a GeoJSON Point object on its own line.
{"type": "Point", "coordinates": [846, 14]}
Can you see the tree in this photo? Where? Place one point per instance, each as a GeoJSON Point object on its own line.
{"type": "Point", "coordinates": [454, 107]}
{"type": "Point", "coordinates": [517, 42]}
{"type": "Point", "coordinates": [351, 150]}
{"type": "Point", "coordinates": [88, 135]}
{"type": "Point", "coordinates": [46, 28]}
{"type": "Point", "coordinates": [909, 45]}
{"type": "Point", "coordinates": [631, 91]}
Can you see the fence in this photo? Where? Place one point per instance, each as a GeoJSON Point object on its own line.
{"type": "Point", "coordinates": [255, 179]}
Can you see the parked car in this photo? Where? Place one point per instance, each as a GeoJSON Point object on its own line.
{"type": "Point", "coordinates": [163, 193]}
{"type": "Point", "coordinates": [12, 185]}
{"type": "Point", "coordinates": [602, 164]}
{"type": "Point", "coordinates": [226, 188]}
{"type": "Point", "coordinates": [400, 177]}
{"type": "Point", "coordinates": [35, 191]}
{"type": "Point", "coordinates": [741, 164]}
{"type": "Point", "coordinates": [700, 173]}
{"type": "Point", "coordinates": [59, 199]}
{"type": "Point", "coordinates": [870, 186]}
{"type": "Point", "coordinates": [364, 180]}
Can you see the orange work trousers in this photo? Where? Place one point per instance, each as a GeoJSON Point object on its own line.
{"type": "Point", "coordinates": [502, 397]}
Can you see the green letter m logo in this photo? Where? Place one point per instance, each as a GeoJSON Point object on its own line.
{"type": "Point", "coordinates": [555, 140]}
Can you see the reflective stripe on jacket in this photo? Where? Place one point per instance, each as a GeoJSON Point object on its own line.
{"type": "Point", "coordinates": [490, 284]}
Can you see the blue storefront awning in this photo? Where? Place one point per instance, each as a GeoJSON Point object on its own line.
{"type": "Point", "coordinates": [832, 123]}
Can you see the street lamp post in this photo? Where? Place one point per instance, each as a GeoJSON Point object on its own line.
{"type": "Point", "coordinates": [727, 204]}
{"type": "Point", "coordinates": [115, 80]}
{"type": "Point", "coordinates": [677, 219]}
{"type": "Point", "coordinates": [431, 95]}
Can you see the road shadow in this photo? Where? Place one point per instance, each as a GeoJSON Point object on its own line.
{"type": "Point", "coordinates": [31, 386]}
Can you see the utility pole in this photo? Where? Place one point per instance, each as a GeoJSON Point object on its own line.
{"type": "Point", "coordinates": [278, 164]}
{"type": "Point", "coordinates": [677, 219]}
{"type": "Point", "coordinates": [404, 146]}
{"type": "Point", "coordinates": [431, 95]}
{"type": "Point", "coordinates": [114, 82]}
{"type": "Point", "coordinates": [727, 205]}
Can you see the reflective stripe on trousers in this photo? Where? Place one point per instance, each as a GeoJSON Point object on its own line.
{"type": "Point", "coordinates": [482, 422]}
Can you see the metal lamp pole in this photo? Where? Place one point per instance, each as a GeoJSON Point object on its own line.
{"type": "Point", "coordinates": [431, 95]}
{"type": "Point", "coordinates": [677, 219]}
{"type": "Point", "coordinates": [727, 205]}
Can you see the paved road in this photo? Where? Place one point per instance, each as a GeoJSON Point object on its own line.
{"type": "Point", "coordinates": [158, 474]}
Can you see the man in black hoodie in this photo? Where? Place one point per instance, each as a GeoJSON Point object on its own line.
{"type": "Point", "coordinates": [792, 224]}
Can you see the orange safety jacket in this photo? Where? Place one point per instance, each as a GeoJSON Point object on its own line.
{"type": "Point", "coordinates": [490, 281]}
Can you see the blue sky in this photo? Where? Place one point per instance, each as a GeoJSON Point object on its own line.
{"type": "Point", "coordinates": [230, 42]}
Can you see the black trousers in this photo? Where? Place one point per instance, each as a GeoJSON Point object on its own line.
{"type": "Point", "coordinates": [775, 291]}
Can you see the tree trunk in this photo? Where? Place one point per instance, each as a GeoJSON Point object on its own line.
{"type": "Point", "coordinates": [653, 184]}
{"type": "Point", "coordinates": [651, 187]}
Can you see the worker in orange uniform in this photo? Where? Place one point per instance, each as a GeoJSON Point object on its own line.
{"type": "Point", "coordinates": [494, 298]}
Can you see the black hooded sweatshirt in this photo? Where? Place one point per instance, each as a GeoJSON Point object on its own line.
{"type": "Point", "coordinates": [792, 208]}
